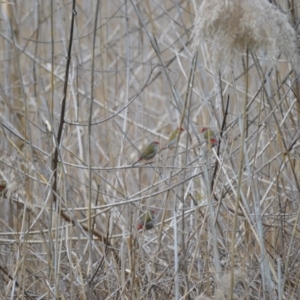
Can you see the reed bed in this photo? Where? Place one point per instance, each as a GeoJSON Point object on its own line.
{"type": "Point", "coordinates": [86, 85]}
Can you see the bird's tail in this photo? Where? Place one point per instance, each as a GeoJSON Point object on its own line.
{"type": "Point", "coordinates": [135, 163]}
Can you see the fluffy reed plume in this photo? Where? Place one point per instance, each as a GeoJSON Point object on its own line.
{"type": "Point", "coordinates": [240, 286]}
{"type": "Point", "coordinates": [223, 287]}
{"type": "Point", "coordinates": [202, 297]}
{"type": "Point", "coordinates": [232, 26]}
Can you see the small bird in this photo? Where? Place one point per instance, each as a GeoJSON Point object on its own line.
{"type": "Point", "coordinates": [150, 151]}
{"type": "Point", "coordinates": [209, 136]}
{"type": "Point", "coordinates": [173, 138]}
{"type": "Point", "coordinates": [147, 220]}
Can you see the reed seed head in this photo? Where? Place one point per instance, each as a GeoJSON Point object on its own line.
{"type": "Point", "coordinates": [231, 26]}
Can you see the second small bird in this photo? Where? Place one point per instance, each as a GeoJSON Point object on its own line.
{"type": "Point", "coordinates": [149, 152]}
{"type": "Point", "coordinates": [173, 138]}
{"type": "Point", "coordinates": [209, 136]}
{"type": "Point", "coordinates": [147, 220]}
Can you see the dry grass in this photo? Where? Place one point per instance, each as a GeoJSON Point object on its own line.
{"type": "Point", "coordinates": [227, 226]}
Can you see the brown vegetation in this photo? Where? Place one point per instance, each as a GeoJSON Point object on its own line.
{"type": "Point", "coordinates": [227, 224]}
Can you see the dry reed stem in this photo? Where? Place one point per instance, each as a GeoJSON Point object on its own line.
{"type": "Point", "coordinates": [142, 93]}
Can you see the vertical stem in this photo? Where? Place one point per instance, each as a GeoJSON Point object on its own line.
{"type": "Point", "coordinates": [176, 263]}
{"type": "Point", "coordinates": [51, 106]}
{"type": "Point", "coordinates": [63, 106]}
{"type": "Point", "coordinates": [89, 143]}
{"type": "Point", "coordinates": [60, 131]}
{"type": "Point", "coordinates": [238, 197]}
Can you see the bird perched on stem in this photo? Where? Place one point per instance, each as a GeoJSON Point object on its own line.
{"type": "Point", "coordinates": [173, 138]}
{"type": "Point", "coordinates": [149, 152]}
{"type": "Point", "coordinates": [147, 220]}
{"type": "Point", "coordinates": [209, 136]}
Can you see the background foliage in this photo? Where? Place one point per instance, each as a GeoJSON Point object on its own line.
{"type": "Point", "coordinates": [227, 224]}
